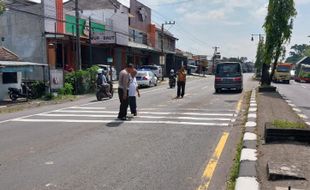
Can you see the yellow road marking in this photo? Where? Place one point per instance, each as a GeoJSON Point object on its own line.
{"type": "Point", "coordinates": [239, 105]}
{"type": "Point", "coordinates": [210, 168]}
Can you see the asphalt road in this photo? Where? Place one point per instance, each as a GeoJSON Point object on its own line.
{"type": "Point", "coordinates": [80, 145]}
{"type": "Point", "coordinates": [299, 95]}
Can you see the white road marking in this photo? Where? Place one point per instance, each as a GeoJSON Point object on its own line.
{"type": "Point", "coordinates": [144, 112]}
{"type": "Point", "coordinates": [49, 163]}
{"type": "Point", "coordinates": [143, 92]}
{"type": "Point", "coordinates": [88, 108]}
{"type": "Point", "coordinates": [50, 185]}
{"type": "Point", "coordinates": [116, 121]}
{"type": "Point", "coordinates": [142, 117]}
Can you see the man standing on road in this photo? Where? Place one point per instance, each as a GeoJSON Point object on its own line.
{"type": "Point", "coordinates": [181, 82]}
{"type": "Point", "coordinates": [124, 78]}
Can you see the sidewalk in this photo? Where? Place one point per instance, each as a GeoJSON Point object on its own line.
{"type": "Point", "coordinates": [271, 107]}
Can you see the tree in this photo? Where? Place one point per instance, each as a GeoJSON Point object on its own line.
{"type": "Point", "coordinates": [298, 52]}
{"type": "Point", "coordinates": [2, 7]}
{"type": "Point", "coordinates": [260, 56]}
{"type": "Point", "coordinates": [278, 27]}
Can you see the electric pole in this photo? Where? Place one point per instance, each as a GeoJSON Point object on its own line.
{"type": "Point", "coordinates": [214, 57]}
{"type": "Point", "coordinates": [78, 40]}
{"type": "Point", "coordinates": [162, 45]}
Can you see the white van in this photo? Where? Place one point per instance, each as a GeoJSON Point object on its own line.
{"type": "Point", "coordinates": [156, 69]}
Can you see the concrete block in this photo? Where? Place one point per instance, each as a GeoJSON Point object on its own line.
{"type": "Point", "coordinates": [251, 124]}
{"type": "Point", "coordinates": [252, 115]}
{"type": "Point", "coordinates": [253, 105]}
{"type": "Point", "coordinates": [249, 144]}
{"type": "Point", "coordinates": [248, 154]}
{"type": "Point", "coordinates": [249, 136]}
{"type": "Point", "coordinates": [247, 183]}
{"type": "Point", "coordinates": [250, 129]}
{"type": "Point", "coordinates": [252, 109]}
{"type": "Point", "coordinates": [247, 169]}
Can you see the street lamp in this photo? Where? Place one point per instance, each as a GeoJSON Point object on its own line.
{"type": "Point", "coordinates": [260, 36]}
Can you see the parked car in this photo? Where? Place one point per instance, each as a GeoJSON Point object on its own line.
{"type": "Point", "coordinates": [157, 70]}
{"type": "Point", "coordinates": [228, 75]}
{"type": "Point", "coordinates": [146, 78]}
{"type": "Point", "coordinates": [106, 68]}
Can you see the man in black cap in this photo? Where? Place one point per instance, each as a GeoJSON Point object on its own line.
{"type": "Point", "coordinates": [124, 78]}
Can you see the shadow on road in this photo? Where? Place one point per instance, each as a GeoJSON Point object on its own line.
{"type": "Point", "coordinates": [226, 92]}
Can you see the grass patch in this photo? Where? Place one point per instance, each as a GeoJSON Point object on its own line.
{"type": "Point", "coordinates": [284, 124]}
{"type": "Point", "coordinates": [234, 171]}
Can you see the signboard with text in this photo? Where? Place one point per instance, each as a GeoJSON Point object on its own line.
{"type": "Point", "coordinates": [107, 37]}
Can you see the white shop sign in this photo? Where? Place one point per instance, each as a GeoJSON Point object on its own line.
{"type": "Point", "coordinates": [104, 38]}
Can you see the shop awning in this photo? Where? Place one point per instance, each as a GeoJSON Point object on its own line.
{"type": "Point", "coordinates": [16, 66]}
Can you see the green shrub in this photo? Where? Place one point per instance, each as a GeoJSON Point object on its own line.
{"type": "Point", "coordinates": [66, 90]}
{"type": "Point", "coordinates": [38, 89]}
{"type": "Point", "coordinates": [82, 81]}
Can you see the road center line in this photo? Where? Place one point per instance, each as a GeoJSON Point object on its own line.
{"type": "Point", "coordinates": [209, 171]}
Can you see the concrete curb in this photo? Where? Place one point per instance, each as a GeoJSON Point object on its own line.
{"type": "Point", "coordinates": [298, 111]}
{"type": "Point", "coordinates": [247, 178]}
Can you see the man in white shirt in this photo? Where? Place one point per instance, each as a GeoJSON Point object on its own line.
{"type": "Point", "coordinates": [133, 91]}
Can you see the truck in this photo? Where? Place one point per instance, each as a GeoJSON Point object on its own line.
{"type": "Point", "coordinates": [282, 73]}
{"type": "Point", "coordinates": [302, 73]}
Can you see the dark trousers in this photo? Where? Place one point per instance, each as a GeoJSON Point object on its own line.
{"type": "Point", "coordinates": [181, 88]}
{"type": "Point", "coordinates": [124, 103]}
{"type": "Point", "coordinates": [133, 104]}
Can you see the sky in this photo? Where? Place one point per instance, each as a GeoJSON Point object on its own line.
{"type": "Point", "coordinates": [228, 24]}
{"type": "Point", "coordinates": [203, 24]}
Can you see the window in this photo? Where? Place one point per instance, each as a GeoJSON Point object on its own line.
{"type": "Point", "coordinates": [9, 78]}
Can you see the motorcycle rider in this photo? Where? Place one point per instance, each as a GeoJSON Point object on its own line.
{"type": "Point", "coordinates": [103, 83]}
{"type": "Point", "coordinates": [172, 78]}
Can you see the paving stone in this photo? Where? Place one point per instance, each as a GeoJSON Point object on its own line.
{"type": "Point", "coordinates": [248, 154]}
{"type": "Point", "coordinates": [246, 183]}
{"type": "Point", "coordinates": [250, 144]}
{"type": "Point", "coordinates": [280, 171]}
{"type": "Point", "coordinates": [247, 169]}
{"type": "Point", "coordinates": [250, 124]}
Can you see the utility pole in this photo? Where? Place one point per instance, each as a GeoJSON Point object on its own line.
{"type": "Point", "coordinates": [90, 44]}
{"type": "Point", "coordinates": [162, 44]}
{"type": "Point", "coordinates": [78, 40]}
{"type": "Point", "coordinates": [214, 57]}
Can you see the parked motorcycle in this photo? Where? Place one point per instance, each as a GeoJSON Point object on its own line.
{"type": "Point", "coordinates": [104, 91]}
{"type": "Point", "coordinates": [25, 92]}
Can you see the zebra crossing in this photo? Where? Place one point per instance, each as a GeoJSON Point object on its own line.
{"type": "Point", "coordinates": [188, 116]}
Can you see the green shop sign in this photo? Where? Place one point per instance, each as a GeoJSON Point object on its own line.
{"type": "Point", "coordinates": [84, 26]}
